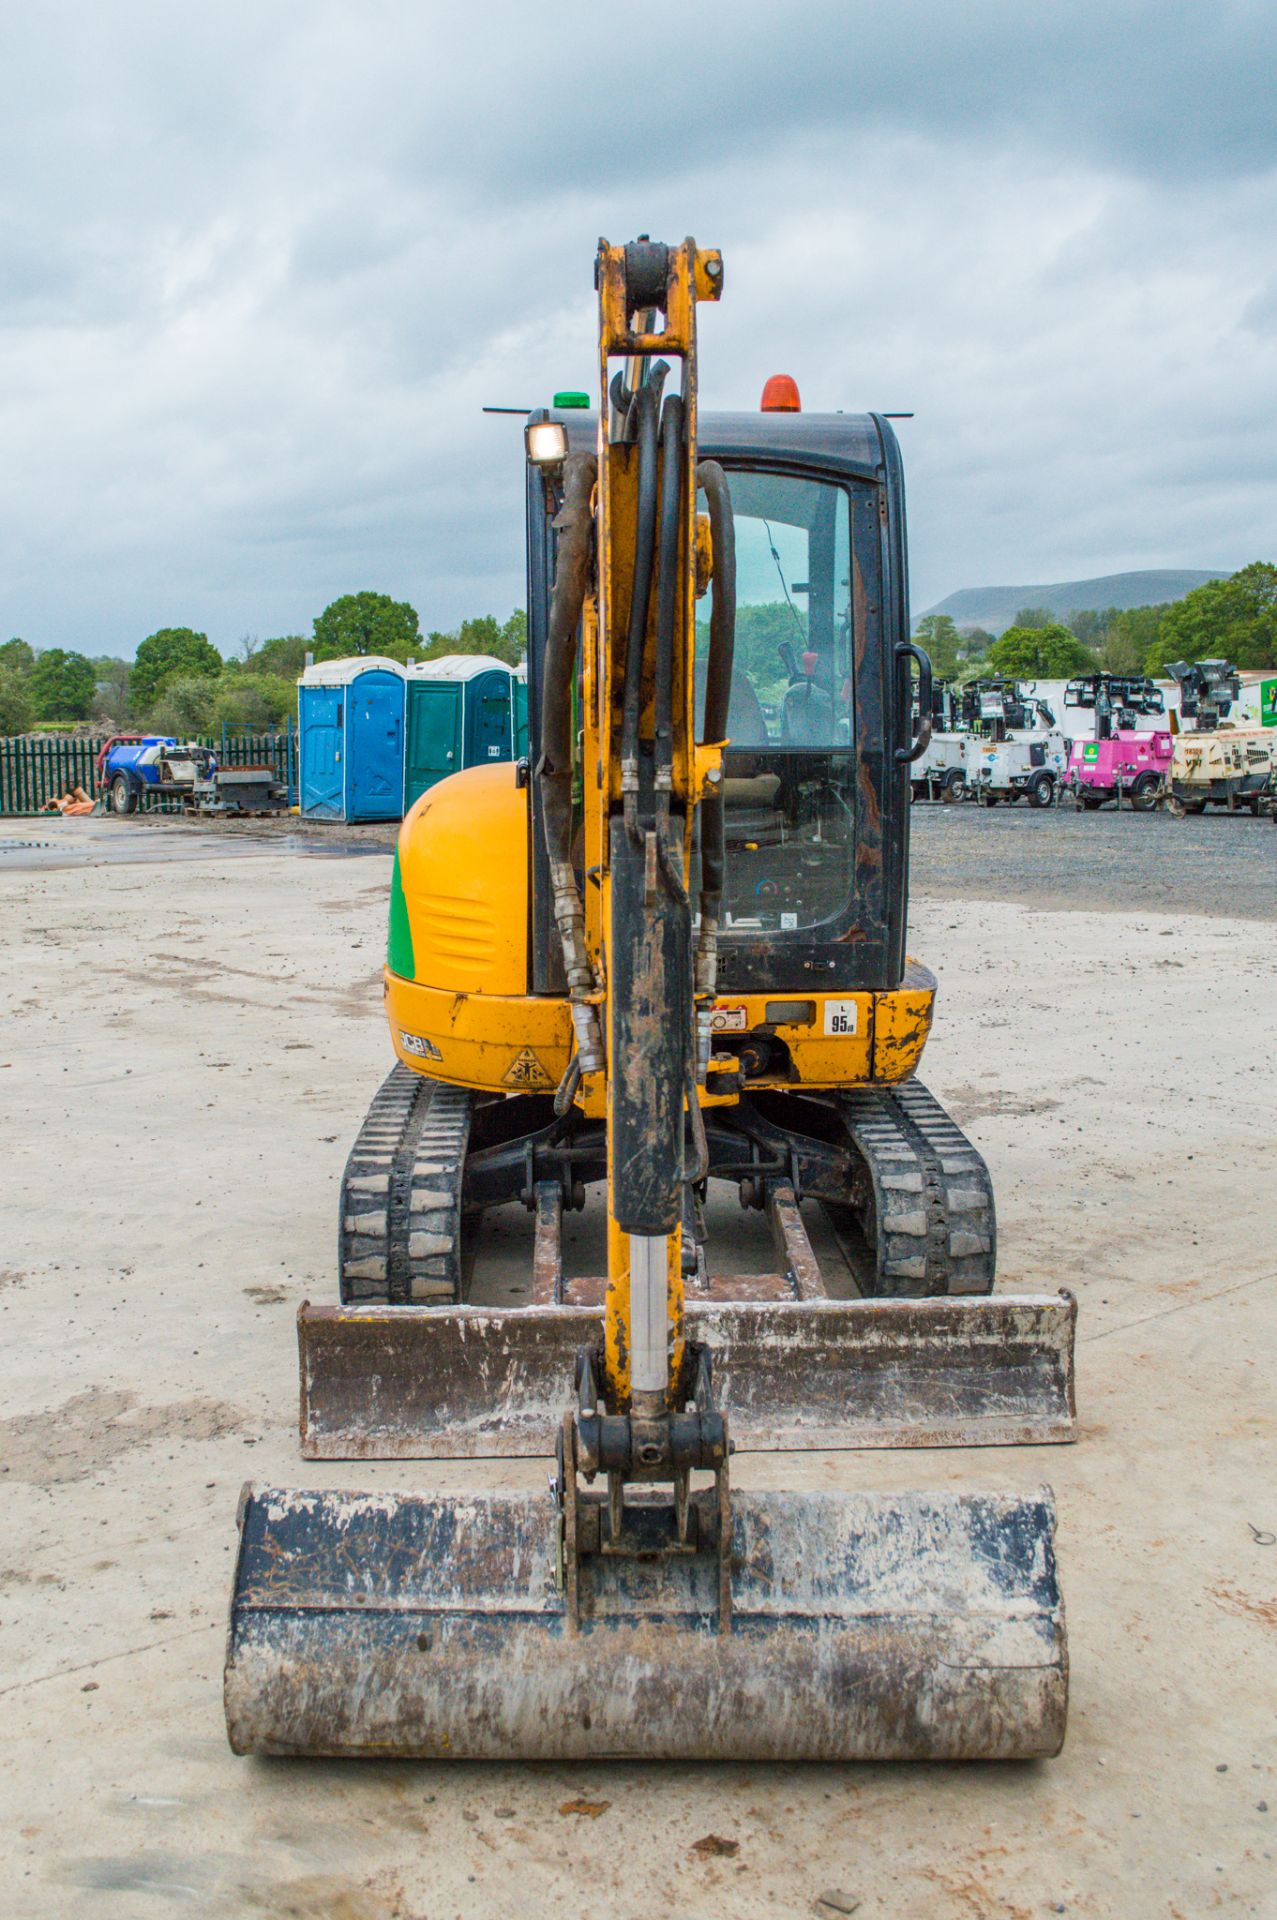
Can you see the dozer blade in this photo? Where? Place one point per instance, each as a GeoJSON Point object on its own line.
{"type": "Point", "coordinates": [863, 1627]}
{"type": "Point", "coordinates": [400, 1383]}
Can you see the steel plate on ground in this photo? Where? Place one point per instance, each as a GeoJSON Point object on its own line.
{"type": "Point", "coordinates": [864, 1627]}
{"type": "Point", "coordinates": [403, 1383]}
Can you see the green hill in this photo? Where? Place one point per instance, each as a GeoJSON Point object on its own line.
{"type": "Point", "coordinates": [996, 607]}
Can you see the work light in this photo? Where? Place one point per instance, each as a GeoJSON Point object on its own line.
{"type": "Point", "coordinates": [546, 442]}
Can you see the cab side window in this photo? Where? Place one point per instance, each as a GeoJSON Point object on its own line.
{"type": "Point", "coordinates": [792, 684]}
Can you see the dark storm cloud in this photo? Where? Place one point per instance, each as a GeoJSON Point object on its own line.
{"type": "Point", "coordinates": [262, 266]}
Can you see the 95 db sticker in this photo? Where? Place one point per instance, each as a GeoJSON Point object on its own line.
{"type": "Point", "coordinates": [841, 1016]}
{"type": "Point", "coordinates": [728, 1020]}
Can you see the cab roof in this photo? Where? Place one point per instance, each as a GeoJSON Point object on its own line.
{"type": "Point", "coordinates": [862, 445]}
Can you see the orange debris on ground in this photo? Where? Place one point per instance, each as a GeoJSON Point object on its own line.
{"type": "Point", "coordinates": [75, 800]}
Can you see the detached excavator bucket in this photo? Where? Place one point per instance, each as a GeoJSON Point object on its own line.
{"type": "Point", "coordinates": [397, 1383]}
{"type": "Point", "coordinates": [861, 1627]}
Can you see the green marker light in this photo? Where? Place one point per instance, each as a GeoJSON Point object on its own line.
{"type": "Point", "coordinates": [569, 399]}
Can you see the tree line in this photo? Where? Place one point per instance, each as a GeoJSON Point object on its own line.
{"type": "Point", "coordinates": [179, 683]}
{"type": "Point", "coordinates": [1233, 619]}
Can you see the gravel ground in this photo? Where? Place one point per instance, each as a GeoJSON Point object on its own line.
{"type": "Point", "coordinates": [1104, 862]}
{"type": "Point", "coordinates": [1056, 860]}
{"type": "Point", "coordinates": [190, 1044]}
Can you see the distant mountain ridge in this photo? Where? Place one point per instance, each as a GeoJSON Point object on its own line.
{"type": "Point", "coordinates": [996, 607]}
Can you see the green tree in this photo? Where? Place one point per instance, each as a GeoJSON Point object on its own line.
{"type": "Point", "coordinates": [1091, 624]}
{"type": "Point", "coordinates": [186, 705]}
{"type": "Point", "coordinates": [164, 655]}
{"type": "Point", "coordinates": [15, 700]}
{"type": "Point", "coordinates": [360, 623]}
{"type": "Point", "coordinates": [938, 634]}
{"type": "Point", "coordinates": [283, 657]}
{"type": "Point", "coordinates": [1037, 617]}
{"type": "Point", "coordinates": [257, 700]}
{"type": "Point", "coordinates": [974, 642]}
{"type": "Point", "coordinates": [504, 640]}
{"type": "Point", "coordinates": [514, 637]}
{"type": "Point", "coordinates": [761, 631]}
{"type": "Point", "coordinates": [1128, 638]}
{"type": "Point", "coordinates": [479, 635]}
{"type": "Point", "coordinates": [1233, 619]}
{"type": "Point", "coordinates": [111, 703]}
{"type": "Point", "coordinates": [62, 685]}
{"type": "Point", "coordinates": [16, 657]}
{"type": "Point", "coordinates": [1040, 653]}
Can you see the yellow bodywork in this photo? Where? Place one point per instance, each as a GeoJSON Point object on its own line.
{"type": "Point", "coordinates": [458, 978]}
{"type": "Point", "coordinates": [464, 1012]}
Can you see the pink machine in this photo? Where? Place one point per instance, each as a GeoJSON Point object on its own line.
{"type": "Point", "coordinates": [1123, 761]}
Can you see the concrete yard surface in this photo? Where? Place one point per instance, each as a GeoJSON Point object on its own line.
{"type": "Point", "coordinates": [189, 1043]}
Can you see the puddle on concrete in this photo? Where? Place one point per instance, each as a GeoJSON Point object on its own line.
{"type": "Point", "coordinates": [107, 843]}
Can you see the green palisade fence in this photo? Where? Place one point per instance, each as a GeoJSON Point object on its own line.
{"type": "Point", "coordinates": [34, 771]}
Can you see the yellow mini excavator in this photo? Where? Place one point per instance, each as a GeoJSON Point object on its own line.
{"type": "Point", "coordinates": [667, 955]}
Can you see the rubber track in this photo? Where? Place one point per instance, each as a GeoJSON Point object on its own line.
{"type": "Point", "coordinates": [933, 1214]}
{"type": "Point", "coordinates": [399, 1236]}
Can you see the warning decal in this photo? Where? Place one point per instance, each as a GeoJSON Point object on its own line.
{"type": "Point", "coordinates": [526, 1071]}
{"type": "Point", "coordinates": [728, 1020]}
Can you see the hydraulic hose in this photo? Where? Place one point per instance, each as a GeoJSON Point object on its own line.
{"type": "Point", "coordinates": [667, 584]}
{"type": "Point", "coordinates": [574, 524]}
{"type": "Point", "coordinates": [722, 626]}
{"type": "Point", "coordinates": [667, 590]}
{"type": "Point", "coordinates": [643, 414]}
{"type": "Point", "coordinates": [718, 690]}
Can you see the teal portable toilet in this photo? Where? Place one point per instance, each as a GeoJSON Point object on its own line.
{"type": "Point", "coordinates": [350, 720]}
{"type": "Point", "coordinates": [463, 711]}
{"type": "Point", "coordinates": [521, 711]}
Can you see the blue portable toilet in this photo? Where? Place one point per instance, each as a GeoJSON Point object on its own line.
{"type": "Point", "coordinates": [463, 711]}
{"type": "Point", "coordinates": [350, 716]}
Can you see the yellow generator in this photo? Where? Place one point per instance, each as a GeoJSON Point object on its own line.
{"type": "Point", "coordinates": [663, 958]}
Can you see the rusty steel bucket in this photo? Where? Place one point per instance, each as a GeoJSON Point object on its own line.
{"type": "Point", "coordinates": [403, 1383]}
{"type": "Point", "coordinates": [863, 1626]}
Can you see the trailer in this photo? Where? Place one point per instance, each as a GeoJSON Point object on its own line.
{"type": "Point", "coordinates": [1015, 750]}
{"type": "Point", "coordinates": [133, 767]}
{"type": "Point", "coordinates": [1123, 761]}
{"type": "Point", "coordinates": [1217, 763]}
{"type": "Point", "coordinates": [940, 772]}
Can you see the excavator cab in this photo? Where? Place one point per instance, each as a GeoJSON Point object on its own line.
{"type": "Point", "coordinates": [663, 957]}
{"type": "Point", "coordinates": [819, 727]}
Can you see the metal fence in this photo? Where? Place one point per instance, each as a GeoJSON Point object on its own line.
{"type": "Point", "coordinates": [34, 771]}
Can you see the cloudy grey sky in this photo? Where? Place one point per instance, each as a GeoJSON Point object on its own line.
{"type": "Point", "coordinates": [261, 265]}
